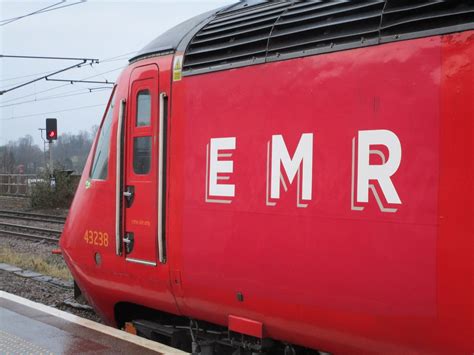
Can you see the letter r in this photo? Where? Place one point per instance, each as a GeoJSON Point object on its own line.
{"type": "Point", "coordinates": [381, 173]}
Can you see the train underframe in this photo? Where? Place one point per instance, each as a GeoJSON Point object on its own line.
{"type": "Point", "coordinates": [195, 336]}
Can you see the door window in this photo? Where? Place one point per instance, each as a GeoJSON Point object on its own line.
{"type": "Point", "coordinates": [143, 108]}
{"type": "Point", "coordinates": [141, 155]}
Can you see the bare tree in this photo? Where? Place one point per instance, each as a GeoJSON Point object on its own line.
{"type": "Point", "coordinates": [7, 160]}
{"type": "Point", "coordinates": [69, 151]}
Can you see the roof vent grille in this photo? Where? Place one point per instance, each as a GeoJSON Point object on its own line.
{"type": "Point", "coordinates": [234, 36]}
{"type": "Point", "coordinates": [411, 16]}
{"type": "Point", "coordinates": [325, 26]}
{"type": "Point", "coordinates": [262, 31]}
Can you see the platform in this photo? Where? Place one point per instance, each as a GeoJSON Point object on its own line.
{"type": "Point", "coordinates": [33, 328]}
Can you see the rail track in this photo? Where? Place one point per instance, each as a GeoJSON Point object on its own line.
{"type": "Point", "coordinates": [31, 216]}
{"type": "Point", "coordinates": [35, 233]}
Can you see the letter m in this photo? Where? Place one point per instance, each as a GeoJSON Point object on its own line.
{"type": "Point", "coordinates": [303, 156]}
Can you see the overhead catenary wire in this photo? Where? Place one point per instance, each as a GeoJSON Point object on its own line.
{"type": "Point", "coordinates": [106, 60]}
{"type": "Point", "coordinates": [47, 113]}
{"type": "Point", "coordinates": [25, 76]}
{"type": "Point", "coordinates": [117, 57]}
{"type": "Point", "coordinates": [71, 93]}
{"type": "Point", "coordinates": [83, 61]}
{"type": "Point", "coordinates": [66, 94]}
{"type": "Point", "coordinates": [92, 60]}
{"type": "Point", "coordinates": [13, 19]}
{"type": "Point", "coordinates": [40, 78]}
{"type": "Point", "coordinates": [59, 86]}
{"type": "Point", "coordinates": [40, 11]}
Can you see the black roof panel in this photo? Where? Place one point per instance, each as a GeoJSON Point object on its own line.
{"type": "Point", "coordinates": [258, 31]}
{"type": "Point", "coordinates": [170, 40]}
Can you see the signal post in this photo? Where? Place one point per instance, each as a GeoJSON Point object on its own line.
{"type": "Point", "coordinates": [51, 135]}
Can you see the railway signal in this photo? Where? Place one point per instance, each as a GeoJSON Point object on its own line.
{"type": "Point", "coordinates": [51, 129]}
{"type": "Point", "coordinates": [51, 135]}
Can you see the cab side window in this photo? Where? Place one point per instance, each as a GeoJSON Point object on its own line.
{"type": "Point", "coordinates": [142, 144]}
{"type": "Point", "coordinates": [143, 108]}
{"type": "Point", "coordinates": [100, 163]}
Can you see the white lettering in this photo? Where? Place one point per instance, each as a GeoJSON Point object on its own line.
{"type": "Point", "coordinates": [217, 166]}
{"type": "Point", "coordinates": [303, 156]}
{"type": "Point", "coordinates": [382, 172]}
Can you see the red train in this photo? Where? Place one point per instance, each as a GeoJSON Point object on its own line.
{"type": "Point", "coordinates": [288, 177]}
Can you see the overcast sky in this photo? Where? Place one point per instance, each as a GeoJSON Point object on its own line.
{"type": "Point", "coordinates": [107, 30]}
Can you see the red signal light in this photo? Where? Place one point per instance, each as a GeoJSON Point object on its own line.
{"type": "Point", "coordinates": [51, 129]}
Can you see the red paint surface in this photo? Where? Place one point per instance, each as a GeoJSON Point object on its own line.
{"type": "Point", "coordinates": [114, 280]}
{"type": "Point", "coordinates": [245, 326]}
{"type": "Point", "coordinates": [139, 218]}
{"type": "Point", "coordinates": [325, 276]}
{"type": "Point", "coordinates": [455, 247]}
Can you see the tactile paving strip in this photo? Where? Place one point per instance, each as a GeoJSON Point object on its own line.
{"type": "Point", "coordinates": [11, 345]}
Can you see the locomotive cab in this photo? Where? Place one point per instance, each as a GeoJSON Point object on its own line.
{"type": "Point", "coordinates": [288, 177]}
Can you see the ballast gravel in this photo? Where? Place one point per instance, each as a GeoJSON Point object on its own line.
{"type": "Point", "coordinates": [38, 289]}
{"type": "Point", "coordinates": [45, 293]}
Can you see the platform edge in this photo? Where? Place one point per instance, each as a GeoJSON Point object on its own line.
{"type": "Point", "coordinates": [145, 343]}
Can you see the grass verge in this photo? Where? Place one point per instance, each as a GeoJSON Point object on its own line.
{"type": "Point", "coordinates": [51, 265]}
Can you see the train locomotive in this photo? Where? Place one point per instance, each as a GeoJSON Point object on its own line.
{"type": "Point", "coordinates": [288, 177]}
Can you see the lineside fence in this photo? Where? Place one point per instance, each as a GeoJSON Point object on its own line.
{"type": "Point", "coordinates": [22, 184]}
{"type": "Point", "coordinates": [17, 184]}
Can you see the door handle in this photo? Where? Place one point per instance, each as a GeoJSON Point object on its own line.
{"type": "Point", "coordinates": [129, 195]}
{"type": "Point", "coordinates": [129, 242]}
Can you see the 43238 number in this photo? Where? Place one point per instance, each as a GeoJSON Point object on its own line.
{"type": "Point", "coordinates": [100, 239]}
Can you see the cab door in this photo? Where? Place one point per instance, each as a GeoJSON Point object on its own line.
{"type": "Point", "coordinates": [140, 185]}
